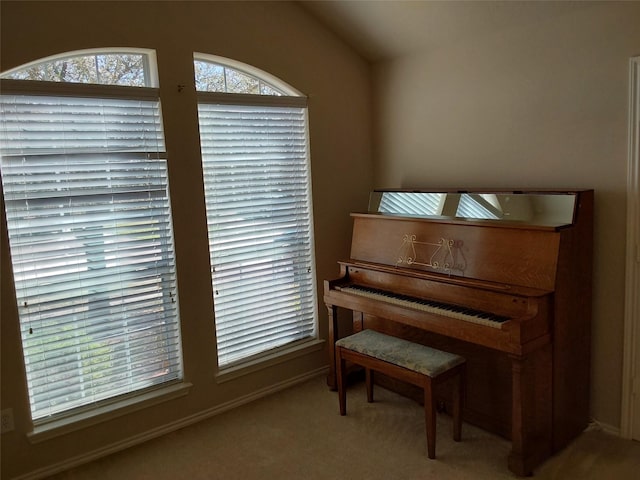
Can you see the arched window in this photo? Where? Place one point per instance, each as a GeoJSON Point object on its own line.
{"type": "Point", "coordinates": [222, 78]}
{"type": "Point", "coordinates": [134, 68]}
{"type": "Point", "coordinates": [255, 156]}
{"type": "Point", "coordinates": [85, 187]}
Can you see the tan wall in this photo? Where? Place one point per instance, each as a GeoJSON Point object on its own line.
{"type": "Point", "coordinates": [541, 105]}
{"type": "Point", "coordinates": [277, 37]}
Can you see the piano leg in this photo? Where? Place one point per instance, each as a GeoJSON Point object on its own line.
{"type": "Point", "coordinates": [457, 398]}
{"type": "Point", "coordinates": [531, 411]}
{"type": "Point", "coordinates": [358, 321]}
{"type": "Point", "coordinates": [333, 332]}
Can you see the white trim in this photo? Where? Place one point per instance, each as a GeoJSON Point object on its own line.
{"type": "Point", "coordinates": [632, 296]}
{"type": "Point", "coordinates": [51, 429]}
{"type": "Point", "coordinates": [603, 427]}
{"type": "Point", "coordinates": [167, 428]}
{"type": "Point", "coordinates": [9, 86]}
{"type": "Point", "coordinates": [220, 98]}
{"type": "Point", "coordinates": [263, 361]}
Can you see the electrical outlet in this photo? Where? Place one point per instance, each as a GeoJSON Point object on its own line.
{"type": "Point", "coordinates": [7, 420]}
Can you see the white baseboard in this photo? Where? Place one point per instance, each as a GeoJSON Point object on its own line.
{"type": "Point", "coordinates": [167, 428]}
{"type": "Point", "coordinates": [604, 427]}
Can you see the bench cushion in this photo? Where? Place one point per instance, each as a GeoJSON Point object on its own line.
{"type": "Point", "coordinates": [409, 355]}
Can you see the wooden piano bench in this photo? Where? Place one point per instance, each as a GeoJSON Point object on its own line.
{"type": "Point", "coordinates": [410, 362]}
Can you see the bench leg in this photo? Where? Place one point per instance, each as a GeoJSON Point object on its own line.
{"type": "Point", "coordinates": [430, 417]}
{"type": "Point", "coordinates": [368, 374]}
{"type": "Point", "coordinates": [341, 380]}
{"type": "Point", "coordinates": [458, 400]}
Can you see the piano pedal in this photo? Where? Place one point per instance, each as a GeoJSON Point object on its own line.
{"type": "Point", "coordinates": [441, 407]}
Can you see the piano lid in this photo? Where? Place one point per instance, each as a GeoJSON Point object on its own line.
{"type": "Point", "coordinates": [536, 208]}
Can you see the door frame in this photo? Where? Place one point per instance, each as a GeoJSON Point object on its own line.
{"type": "Point", "coordinates": [629, 422]}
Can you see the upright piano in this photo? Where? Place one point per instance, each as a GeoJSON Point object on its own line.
{"type": "Point", "coordinates": [500, 277]}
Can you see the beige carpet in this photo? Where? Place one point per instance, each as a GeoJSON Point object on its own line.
{"type": "Point", "coordinates": [299, 434]}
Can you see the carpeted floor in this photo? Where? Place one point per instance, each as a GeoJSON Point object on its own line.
{"type": "Point", "coordinates": [299, 434]}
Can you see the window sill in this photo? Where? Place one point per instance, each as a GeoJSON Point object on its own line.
{"type": "Point", "coordinates": [72, 423]}
{"type": "Point", "coordinates": [265, 361]}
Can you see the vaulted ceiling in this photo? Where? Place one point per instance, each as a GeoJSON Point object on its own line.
{"type": "Point", "coordinates": [383, 29]}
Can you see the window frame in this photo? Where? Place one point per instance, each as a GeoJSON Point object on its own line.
{"type": "Point", "coordinates": [149, 61]}
{"type": "Point", "coordinates": [261, 75]}
{"type": "Point", "coordinates": [292, 98]}
{"type": "Point", "coordinates": [76, 417]}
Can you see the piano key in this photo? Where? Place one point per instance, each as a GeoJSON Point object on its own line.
{"type": "Point", "coordinates": [452, 311]}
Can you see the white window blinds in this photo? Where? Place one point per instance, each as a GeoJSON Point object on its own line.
{"type": "Point", "coordinates": [477, 206]}
{"type": "Point", "coordinates": [85, 188]}
{"type": "Point", "coordinates": [257, 189]}
{"type": "Point", "coordinates": [411, 203]}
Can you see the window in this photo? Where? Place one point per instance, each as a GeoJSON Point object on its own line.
{"type": "Point", "coordinates": [107, 68]}
{"type": "Point", "coordinates": [85, 187]}
{"type": "Point", "coordinates": [258, 199]}
{"type": "Point", "coordinates": [214, 77]}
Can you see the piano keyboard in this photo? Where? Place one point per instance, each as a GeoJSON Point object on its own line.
{"type": "Point", "coordinates": [430, 306]}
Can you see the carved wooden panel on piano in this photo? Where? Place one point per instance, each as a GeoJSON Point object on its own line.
{"type": "Point", "coordinates": [511, 256]}
{"type": "Point", "coordinates": [528, 375]}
